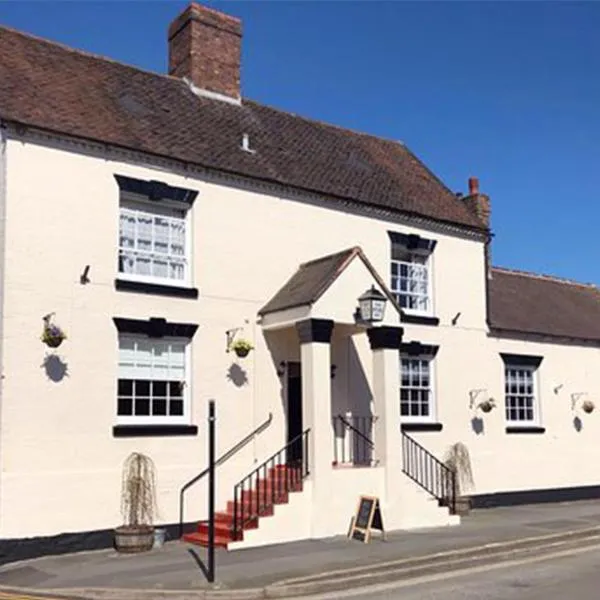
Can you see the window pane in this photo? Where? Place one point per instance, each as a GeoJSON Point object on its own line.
{"type": "Point", "coordinates": [175, 389]}
{"type": "Point", "coordinates": [176, 408]}
{"type": "Point", "coordinates": [142, 407]}
{"type": "Point", "coordinates": [125, 387]}
{"type": "Point", "coordinates": [126, 349]}
{"type": "Point", "coordinates": [159, 388]}
{"type": "Point", "coordinates": [142, 388]}
{"type": "Point", "coordinates": [159, 407]}
{"type": "Point", "coordinates": [125, 407]}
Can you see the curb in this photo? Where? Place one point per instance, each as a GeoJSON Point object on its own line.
{"type": "Point", "coordinates": [336, 580]}
{"type": "Point", "coordinates": [134, 594]}
{"type": "Point", "coordinates": [415, 571]}
{"type": "Point", "coordinates": [490, 548]}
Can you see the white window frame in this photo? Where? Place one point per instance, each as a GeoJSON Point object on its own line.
{"type": "Point", "coordinates": [133, 203]}
{"type": "Point", "coordinates": [535, 389]}
{"type": "Point", "coordinates": [186, 417]}
{"type": "Point", "coordinates": [428, 264]}
{"type": "Point", "coordinates": [432, 417]}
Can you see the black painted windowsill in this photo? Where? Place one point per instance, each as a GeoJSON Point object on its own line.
{"type": "Point", "coordinates": [531, 429]}
{"type": "Point", "coordinates": [154, 430]}
{"type": "Point", "coordinates": [157, 289]}
{"type": "Point", "coordinates": [419, 319]}
{"type": "Point", "coordinates": [421, 426]}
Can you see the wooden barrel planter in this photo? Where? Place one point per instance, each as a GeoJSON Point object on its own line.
{"type": "Point", "coordinates": [130, 540]}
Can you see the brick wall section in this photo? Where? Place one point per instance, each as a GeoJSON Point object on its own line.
{"type": "Point", "coordinates": [205, 46]}
{"type": "Point", "coordinates": [477, 203]}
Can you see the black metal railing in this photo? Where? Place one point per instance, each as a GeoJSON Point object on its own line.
{"type": "Point", "coordinates": [270, 483]}
{"type": "Point", "coordinates": [352, 439]}
{"type": "Point", "coordinates": [233, 450]}
{"type": "Point", "coordinates": [429, 472]}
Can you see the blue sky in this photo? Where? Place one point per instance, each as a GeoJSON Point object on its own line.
{"type": "Point", "coordinates": [507, 91]}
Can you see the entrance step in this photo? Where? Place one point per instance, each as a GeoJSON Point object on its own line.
{"type": "Point", "coordinates": [254, 504]}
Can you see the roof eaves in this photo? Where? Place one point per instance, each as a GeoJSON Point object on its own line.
{"type": "Point", "coordinates": [476, 229]}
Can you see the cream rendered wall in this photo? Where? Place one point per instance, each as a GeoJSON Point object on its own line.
{"type": "Point", "coordinates": [560, 457]}
{"type": "Point", "coordinates": [59, 461]}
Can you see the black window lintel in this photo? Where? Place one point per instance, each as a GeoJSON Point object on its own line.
{"type": "Point", "coordinates": [155, 190]}
{"type": "Point", "coordinates": [521, 360]}
{"type": "Point", "coordinates": [418, 349]}
{"type": "Point", "coordinates": [155, 327]}
{"type": "Point", "coordinates": [412, 241]}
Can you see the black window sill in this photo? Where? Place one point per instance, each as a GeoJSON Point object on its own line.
{"type": "Point", "coordinates": [532, 429]}
{"type": "Point", "coordinates": [421, 426]}
{"type": "Point", "coordinates": [154, 430]}
{"type": "Point", "coordinates": [155, 288]}
{"type": "Point", "coordinates": [419, 319]}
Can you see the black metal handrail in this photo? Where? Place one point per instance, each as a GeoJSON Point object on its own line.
{"type": "Point", "coordinates": [270, 482]}
{"type": "Point", "coordinates": [233, 450]}
{"type": "Point", "coordinates": [430, 473]}
{"type": "Point", "coordinates": [362, 446]}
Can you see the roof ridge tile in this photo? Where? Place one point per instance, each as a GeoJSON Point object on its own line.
{"type": "Point", "coordinates": [88, 53]}
{"type": "Point", "coordinates": [545, 277]}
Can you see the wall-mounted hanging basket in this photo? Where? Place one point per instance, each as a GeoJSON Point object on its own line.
{"type": "Point", "coordinates": [242, 347]}
{"type": "Point", "coordinates": [52, 335]}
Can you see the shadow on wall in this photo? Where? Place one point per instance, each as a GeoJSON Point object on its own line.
{"type": "Point", "coordinates": [56, 368]}
{"type": "Point", "coordinates": [478, 425]}
{"type": "Point", "coordinates": [284, 348]}
{"type": "Point", "coordinates": [353, 419]}
{"type": "Point", "coordinates": [237, 375]}
{"type": "Point", "coordinates": [351, 391]}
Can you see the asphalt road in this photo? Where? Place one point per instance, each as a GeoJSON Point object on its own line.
{"type": "Point", "coordinates": [576, 577]}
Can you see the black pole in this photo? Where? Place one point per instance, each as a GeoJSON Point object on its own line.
{"type": "Point", "coordinates": [211, 491]}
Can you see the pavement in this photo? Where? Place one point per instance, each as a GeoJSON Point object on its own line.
{"type": "Point", "coordinates": [311, 566]}
{"type": "Point", "coordinates": [556, 577]}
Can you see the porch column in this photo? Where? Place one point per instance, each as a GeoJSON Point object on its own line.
{"type": "Point", "coordinates": [315, 354]}
{"type": "Point", "coordinates": [385, 344]}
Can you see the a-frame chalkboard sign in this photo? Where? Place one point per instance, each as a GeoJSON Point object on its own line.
{"type": "Point", "coordinates": [367, 517]}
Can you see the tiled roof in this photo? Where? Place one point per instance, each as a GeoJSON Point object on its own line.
{"type": "Point", "coordinates": [313, 278]}
{"type": "Point", "coordinates": [538, 304]}
{"type": "Point", "coordinates": [309, 282]}
{"type": "Point", "coordinates": [49, 86]}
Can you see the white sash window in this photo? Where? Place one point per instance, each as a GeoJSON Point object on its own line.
{"type": "Point", "coordinates": [153, 243]}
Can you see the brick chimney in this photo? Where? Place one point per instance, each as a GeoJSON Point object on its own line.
{"type": "Point", "coordinates": [477, 203]}
{"type": "Point", "coordinates": [205, 47]}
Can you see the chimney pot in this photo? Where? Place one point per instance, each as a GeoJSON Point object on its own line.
{"type": "Point", "coordinates": [473, 186]}
{"type": "Point", "coordinates": [205, 47]}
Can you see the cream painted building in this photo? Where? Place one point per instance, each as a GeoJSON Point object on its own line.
{"type": "Point", "coordinates": [159, 219]}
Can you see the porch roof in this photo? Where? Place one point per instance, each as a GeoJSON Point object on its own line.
{"type": "Point", "coordinates": [314, 278]}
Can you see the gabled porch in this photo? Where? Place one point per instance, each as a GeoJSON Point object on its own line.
{"type": "Point", "coordinates": [340, 381]}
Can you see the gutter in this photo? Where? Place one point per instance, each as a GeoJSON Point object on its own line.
{"type": "Point", "coordinates": [488, 276]}
{"type": "Point", "coordinates": [3, 195]}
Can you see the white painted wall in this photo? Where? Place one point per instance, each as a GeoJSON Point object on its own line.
{"type": "Point", "coordinates": [289, 522]}
{"type": "Point", "coordinates": [60, 465]}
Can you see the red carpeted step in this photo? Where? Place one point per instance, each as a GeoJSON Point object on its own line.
{"type": "Point", "coordinates": [201, 539]}
{"type": "Point", "coordinates": [266, 511]}
{"type": "Point", "coordinates": [225, 530]}
{"type": "Point", "coordinates": [261, 497]}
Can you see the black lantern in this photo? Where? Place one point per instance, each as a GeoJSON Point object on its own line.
{"type": "Point", "coordinates": [372, 306]}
